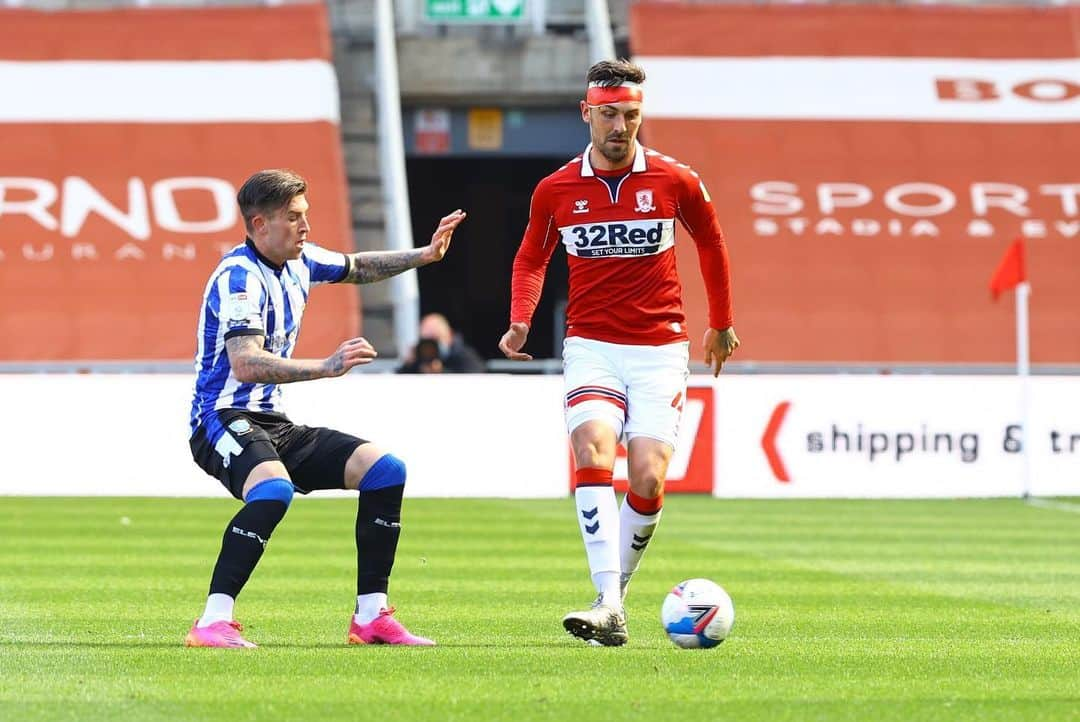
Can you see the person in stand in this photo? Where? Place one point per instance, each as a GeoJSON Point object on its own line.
{"type": "Point", "coordinates": [441, 350]}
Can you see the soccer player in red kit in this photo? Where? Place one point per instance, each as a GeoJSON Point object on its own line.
{"type": "Point", "coordinates": [626, 354]}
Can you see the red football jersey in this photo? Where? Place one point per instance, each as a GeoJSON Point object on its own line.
{"type": "Point", "coordinates": [618, 229]}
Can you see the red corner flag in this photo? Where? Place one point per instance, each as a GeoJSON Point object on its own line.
{"type": "Point", "coordinates": [1012, 270]}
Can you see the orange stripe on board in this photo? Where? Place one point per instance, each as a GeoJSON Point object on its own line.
{"type": "Point", "coordinates": [204, 33]}
{"type": "Point", "coordinates": [703, 29]}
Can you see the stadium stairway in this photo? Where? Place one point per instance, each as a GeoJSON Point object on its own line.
{"type": "Point", "coordinates": [352, 29]}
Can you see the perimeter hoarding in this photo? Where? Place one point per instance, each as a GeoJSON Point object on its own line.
{"type": "Point", "coordinates": [125, 134]}
{"type": "Point", "coordinates": [870, 165]}
{"type": "Point", "coordinates": [895, 437]}
{"type": "Point", "coordinates": [504, 436]}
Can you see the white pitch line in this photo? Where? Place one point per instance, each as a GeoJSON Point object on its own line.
{"type": "Point", "coordinates": [1051, 504]}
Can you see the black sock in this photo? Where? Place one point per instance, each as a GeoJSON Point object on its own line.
{"type": "Point", "coordinates": [378, 526]}
{"type": "Point", "coordinates": [242, 546]}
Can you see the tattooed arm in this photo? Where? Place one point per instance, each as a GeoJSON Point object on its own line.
{"type": "Point", "coordinates": [252, 364]}
{"type": "Point", "coordinates": [376, 265]}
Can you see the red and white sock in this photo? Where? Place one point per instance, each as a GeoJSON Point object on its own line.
{"type": "Point", "coordinates": [598, 519]}
{"type": "Point", "coordinates": [638, 519]}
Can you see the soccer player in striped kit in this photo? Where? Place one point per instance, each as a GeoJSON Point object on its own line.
{"type": "Point", "coordinates": [626, 354]}
{"type": "Point", "coordinates": [251, 314]}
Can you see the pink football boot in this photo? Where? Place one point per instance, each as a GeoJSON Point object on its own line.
{"type": "Point", "coordinates": [218, 634]}
{"type": "Point", "coordinates": [384, 629]}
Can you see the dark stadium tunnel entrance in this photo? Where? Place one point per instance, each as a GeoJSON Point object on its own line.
{"type": "Point", "coordinates": [471, 286]}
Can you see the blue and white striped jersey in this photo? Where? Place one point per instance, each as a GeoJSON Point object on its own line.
{"type": "Point", "coordinates": [249, 295]}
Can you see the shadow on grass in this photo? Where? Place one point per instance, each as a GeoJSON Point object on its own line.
{"type": "Point", "coordinates": [440, 645]}
{"type": "Point", "coordinates": [91, 645]}
{"type": "Point", "coordinates": [68, 644]}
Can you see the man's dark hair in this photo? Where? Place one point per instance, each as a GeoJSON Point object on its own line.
{"type": "Point", "coordinates": [268, 191]}
{"type": "Point", "coordinates": [614, 72]}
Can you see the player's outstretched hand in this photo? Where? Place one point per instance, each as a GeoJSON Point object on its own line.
{"type": "Point", "coordinates": [512, 342]}
{"type": "Point", "coordinates": [719, 345]}
{"type": "Point", "coordinates": [440, 239]}
{"type": "Point", "coordinates": [354, 352]}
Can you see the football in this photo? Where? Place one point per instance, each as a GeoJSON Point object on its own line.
{"type": "Point", "coordinates": [697, 614]}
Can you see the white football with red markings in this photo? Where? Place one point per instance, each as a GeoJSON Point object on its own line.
{"type": "Point", "coordinates": [697, 614]}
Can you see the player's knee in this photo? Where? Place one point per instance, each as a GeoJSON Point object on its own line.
{"type": "Point", "coordinates": [647, 479]}
{"type": "Point", "coordinates": [648, 485]}
{"type": "Point", "coordinates": [386, 472]}
{"type": "Point", "coordinates": [272, 490]}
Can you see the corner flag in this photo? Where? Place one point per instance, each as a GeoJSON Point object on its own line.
{"type": "Point", "coordinates": [1011, 271]}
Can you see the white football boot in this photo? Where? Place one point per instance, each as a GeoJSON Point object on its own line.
{"type": "Point", "coordinates": [600, 623]}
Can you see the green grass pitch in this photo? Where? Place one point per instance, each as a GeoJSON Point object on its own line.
{"type": "Point", "coordinates": [846, 610]}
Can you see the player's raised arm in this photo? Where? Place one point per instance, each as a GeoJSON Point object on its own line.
{"type": "Point", "coordinates": [372, 266]}
{"type": "Point", "coordinates": [252, 364]}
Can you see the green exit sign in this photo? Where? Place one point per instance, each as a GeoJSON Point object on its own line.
{"type": "Point", "coordinates": [474, 11]}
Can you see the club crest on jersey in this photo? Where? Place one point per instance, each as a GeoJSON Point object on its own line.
{"type": "Point", "coordinates": [644, 201]}
{"type": "Point", "coordinates": [581, 206]}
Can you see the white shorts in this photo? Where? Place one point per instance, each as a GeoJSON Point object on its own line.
{"type": "Point", "coordinates": [639, 390]}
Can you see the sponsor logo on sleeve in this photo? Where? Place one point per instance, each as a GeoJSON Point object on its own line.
{"type": "Point", "coordinates": [239, 309]}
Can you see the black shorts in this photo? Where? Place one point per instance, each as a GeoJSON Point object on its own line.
{"type": "Point", "coordinates": [315, 457]}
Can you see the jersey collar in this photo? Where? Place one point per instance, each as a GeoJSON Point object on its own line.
{"type": "Point", "coordinates": [263, 259]}
{"type": "Point", "coordinates": [638, 167]}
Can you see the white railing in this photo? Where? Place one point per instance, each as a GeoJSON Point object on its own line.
{"type": "Point", "coordinates": [598, 24]}
{"type": "Point", "coordinates": [405, 291]}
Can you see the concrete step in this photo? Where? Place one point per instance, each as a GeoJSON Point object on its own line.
{"type": "Point", "coordinates": [534, 70]}
{"type": "Point", "coordinates": [355, 67]}
{"type": "Point", "coordinates": [354, 17]}
{"type": "Point", "coordinates": [366, 204]}
{"type": "Point", "coordinates": [368, 238]}
{"type": "Point", "coordinates": [358, 115]}
{"type": "Point", "coordinates": [377, 326]}
{"type": "Point", "coordinates": [361, 159]}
